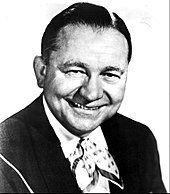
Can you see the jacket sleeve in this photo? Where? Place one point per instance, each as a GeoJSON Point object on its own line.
{"type": "Point", "coordinates": [10, 179]}
{"type": "Point", "coordinates": [157, 185]}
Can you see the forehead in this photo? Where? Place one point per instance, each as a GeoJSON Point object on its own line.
{"type": "Point", "coordinates": [78, 34]}
{"type": "Point", "coordinates": [87, 43]}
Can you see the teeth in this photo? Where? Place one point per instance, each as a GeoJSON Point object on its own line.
{"type": "Point", "coordinates": [84, 107]}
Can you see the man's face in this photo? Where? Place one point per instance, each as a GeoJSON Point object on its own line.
{"type": "Point", "coordinates": [85, 80]}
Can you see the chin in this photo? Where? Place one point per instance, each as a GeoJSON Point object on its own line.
{"type": "Point", "coordinates": [84, 129]}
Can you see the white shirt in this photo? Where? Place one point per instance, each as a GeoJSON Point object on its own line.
{"type": "Point", "coordinates": [69, 142]}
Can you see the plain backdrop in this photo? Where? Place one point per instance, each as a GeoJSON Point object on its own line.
{"type": "Point", "coordinates": [22, 23]}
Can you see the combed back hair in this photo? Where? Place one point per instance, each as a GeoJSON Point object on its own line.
{"type": "Point", "coordinates": [81, 14]}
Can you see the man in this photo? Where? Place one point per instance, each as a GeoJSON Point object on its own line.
{"type": "Point", "coordinates": [71, 139]}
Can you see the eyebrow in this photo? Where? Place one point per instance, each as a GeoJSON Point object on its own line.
{"type": "Point", "coordinates": [68, 64]}
{"type": "Point", "coordinates": [113, 68]}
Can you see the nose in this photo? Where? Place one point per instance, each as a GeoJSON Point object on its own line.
{"type": "Point", "coordinates": [91, 89]}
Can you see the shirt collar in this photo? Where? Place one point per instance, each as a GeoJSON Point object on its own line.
{"type": "Point", "coordinates": [68, 140]}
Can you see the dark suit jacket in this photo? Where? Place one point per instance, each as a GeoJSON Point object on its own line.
{"type": "Point", "coordinates": [29, 143]}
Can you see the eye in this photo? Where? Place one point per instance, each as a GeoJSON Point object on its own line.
{"type": "Point", "coordinates": [75, 73]}
{"type": "Point", "coordinates": [111, 76]}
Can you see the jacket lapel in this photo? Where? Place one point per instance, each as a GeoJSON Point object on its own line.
{"type": "Point", "coordinates": [124, 151]}
{"type": "Point", "coordinates": [114, 142]}
{"type": "Point", "coordinates": [53, 166]}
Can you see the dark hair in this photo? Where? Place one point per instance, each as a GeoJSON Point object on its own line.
{"type": "Point", "coordinates": [86, 14]}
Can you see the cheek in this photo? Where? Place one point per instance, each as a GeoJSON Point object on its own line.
{"type": "Point", "coordinates": [52, 84]}
{"type": "Point", "coordinates": [55, 87]}
{"type": "Point", "coordinates": [116, 93]}
{"type": "Point", "coordinates": [57, 84]}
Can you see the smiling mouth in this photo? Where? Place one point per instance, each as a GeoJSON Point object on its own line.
{"type": "Point", "coordinates": [77, 105]}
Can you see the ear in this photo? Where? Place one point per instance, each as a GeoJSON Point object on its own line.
{"type": "Point", "coordinates": [40, 70]}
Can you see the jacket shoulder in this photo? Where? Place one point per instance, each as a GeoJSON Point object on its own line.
{"type": "Point", "coordinates": [128, 130]}
{"type": "Point", "coordinates": [128, 125]}
{"type": "Point", "coordinates": [15, 129]}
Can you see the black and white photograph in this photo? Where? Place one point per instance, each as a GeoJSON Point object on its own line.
{"type": "Point", "coordinates": [84, 103]}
